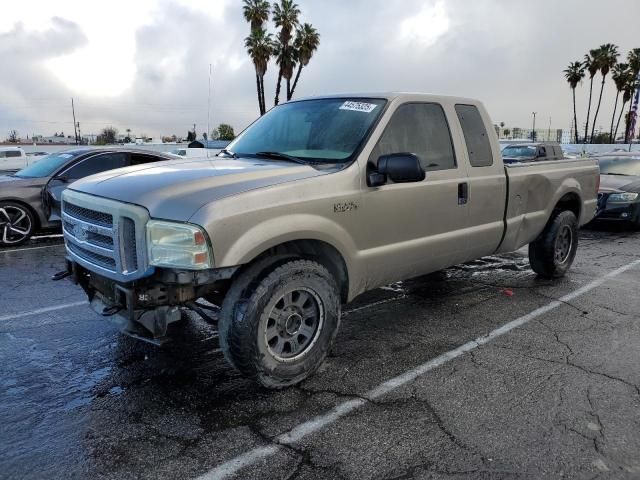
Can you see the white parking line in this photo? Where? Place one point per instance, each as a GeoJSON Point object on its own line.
{"type": "Point", "coordinates": [315, 424]}
{"type": "Point", "coordinates": [42, 310]}
{"type": "Point", "coordinates": [32, 248]}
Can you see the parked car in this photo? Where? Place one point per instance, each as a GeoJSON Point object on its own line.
{"type": "Point", "coordinates": [315, 203]}
{"type": "Point", "coordinates": [13, 159]}
{"type": "Point", "coordinates": [30, 198]}
{"type": "Point", "coordinates": [619, 192]}
{"type": "Point", "coordinates": [37, 154]}
{"type": "Point", "coordinates": [532, 152]}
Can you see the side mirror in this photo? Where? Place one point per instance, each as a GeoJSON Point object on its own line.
{"type": "Point", "coordinates": [401, 167]}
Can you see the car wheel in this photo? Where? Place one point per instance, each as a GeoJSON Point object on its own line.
{"type": "Point", "coordinates": [16, 224]}
{"type": "Point", "coordinates": [552, 253]}
{"type": "Point", "coordinates": [278, 328]}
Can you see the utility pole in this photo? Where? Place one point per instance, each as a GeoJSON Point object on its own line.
{"type": "Point", "coordinates": [73, 110]}
{"type": "Point", "coordinates": [549, 131]}
{"type": "Point", "coordinates": [533, 131]}
{"type": "Point", "coordinates": [209, 104]}
{"type": "Point", "coordinates": [79, 134]}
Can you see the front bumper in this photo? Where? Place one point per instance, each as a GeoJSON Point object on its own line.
{"type": "Point", "coordinates": [144, 308]}
{"type": "Point", "coordinates": [621, 212]}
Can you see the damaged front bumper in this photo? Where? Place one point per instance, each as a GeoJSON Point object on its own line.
{"type": "Point", "coordinates": [145, 308]}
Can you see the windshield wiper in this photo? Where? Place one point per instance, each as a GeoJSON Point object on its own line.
{"type": "Point", "coordinates": [224, 151]}
{"type": "Point", "coordinates": [621, 174]}
{"type": "Point", "coordinates": [281, 156]}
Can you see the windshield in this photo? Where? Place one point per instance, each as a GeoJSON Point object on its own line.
{"type": "Point", "coordinates": [46, 166]}
{"type": "Point", "coordinates": [325, 130]}
{"type": "Point", "coordinates": [620, 166]}
{"type": "Point", "coordinates": [519, 152]}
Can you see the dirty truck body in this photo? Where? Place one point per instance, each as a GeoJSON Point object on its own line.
{"type": "Point", "coordinates": [318, 201]}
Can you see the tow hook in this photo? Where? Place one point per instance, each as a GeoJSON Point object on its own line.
{"type": "Point", "coordinates": [61, 275]}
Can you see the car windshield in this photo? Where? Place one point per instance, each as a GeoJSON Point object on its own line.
{"type": "Point", "coordinates": [620, 166]}
{"type": "Point", "coordinates": [519, 152]}
{"type": "Point", "coordinates": [324, 131]}
{"type": "Point", "coordinates": [46, 166]}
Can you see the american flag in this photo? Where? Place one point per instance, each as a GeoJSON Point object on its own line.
{"type": "Point", "coordinates": [634, 110]}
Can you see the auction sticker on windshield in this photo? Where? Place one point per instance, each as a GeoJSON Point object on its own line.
{"type": "Point", "coordinates": [358, 106]}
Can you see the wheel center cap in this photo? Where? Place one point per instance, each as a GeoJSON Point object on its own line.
{"type": "Point", "coordinates": [292, 325]}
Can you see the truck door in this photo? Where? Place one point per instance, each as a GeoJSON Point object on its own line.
{"type": "Point", "coordinates": [83, 168]}
{"type": "Point", "coordinates": [487, 183]}
{"type": "Point", "coordinates": [416, 228]}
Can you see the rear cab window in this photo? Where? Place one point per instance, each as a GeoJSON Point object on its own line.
{"type": "Point", "coordinates": [475, 135]}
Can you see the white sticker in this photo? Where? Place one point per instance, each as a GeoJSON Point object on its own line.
{"type": "Point", "coordinates": [358, 106]}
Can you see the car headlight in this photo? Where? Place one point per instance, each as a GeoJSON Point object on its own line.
{"type": "Point", "coordinates": [623, 197]}
{"type": "Point", "coordinates": [178, 245]}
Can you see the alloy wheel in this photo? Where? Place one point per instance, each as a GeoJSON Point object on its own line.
{"type": "Point", "coordinates": [15, 224]}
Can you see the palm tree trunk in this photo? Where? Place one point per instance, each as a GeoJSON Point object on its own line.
{"type": "Point", "coordinates": [615, 134]}
{"type": "Point", "coordinates": [627, 132]}
{"type": "Point", "coordinates": [295, 81]}
{"type": "Point", "coordinates": [259, 93]}
{"type": "Point", "coordinates": [586, 125]}
{"type": "Point", "coordinates": [277, 99]}
{"type": "Point", "coordinates": [288, 89]}
{"type": "Point", "coordinates": [593, 125]}
{"type": "Point", "coordinates": [575, 116]}
{"type": "Point", "coordinates": [264, 103]}
{"type": "Point", "coordinates": [613, 118]}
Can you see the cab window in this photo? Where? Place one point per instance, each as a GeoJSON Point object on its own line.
{"type": "Point", "coordinates": [475, 136]}
{"type": "Point", "coordinates": [421, 129]}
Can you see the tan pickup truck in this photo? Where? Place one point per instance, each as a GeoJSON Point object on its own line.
{"type": "Point", "coordinates": [318, 201]}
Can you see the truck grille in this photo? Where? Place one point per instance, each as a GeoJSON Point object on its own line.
{"type": "Point", "coordinates": [105, 236]}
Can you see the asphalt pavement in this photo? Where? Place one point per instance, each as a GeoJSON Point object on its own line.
{"type": "Point", "coordinates": [480, 371]}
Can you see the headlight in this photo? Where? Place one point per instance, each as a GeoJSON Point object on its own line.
{"type": "Point", "coordinates": [623, 197]}
{"type": "Point", "coordinates": [177, 245]}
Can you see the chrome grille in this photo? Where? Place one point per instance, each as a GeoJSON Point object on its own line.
{"type": "Point", "coordinates": [99, 218]}
{"type": "Point", "coordinates": [105, 236]}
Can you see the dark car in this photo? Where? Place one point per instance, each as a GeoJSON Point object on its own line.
{"type": "Point", "coordinates": [619, 193]}
{"type": "Point", "coordinates": [30, 198]}
{"type": "Point", "coordinates": [532, 152]}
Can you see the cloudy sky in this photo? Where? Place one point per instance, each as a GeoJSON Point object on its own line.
{"type": "Point", "coordinates": [144, 64]}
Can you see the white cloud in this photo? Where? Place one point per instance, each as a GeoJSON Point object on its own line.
{"type": "Point", "coordinates": [429, 24]}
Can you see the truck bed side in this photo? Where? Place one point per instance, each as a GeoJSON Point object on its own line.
{"type": "Point", "coordinates": [536, 189]}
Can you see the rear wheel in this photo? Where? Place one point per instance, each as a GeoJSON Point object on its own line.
{"type": "Point", "coordinates": [552, 253]}
{"type": "Point", "coordinates": [278, 328]}
{"type": "Point", "coordinates": [16, 224]}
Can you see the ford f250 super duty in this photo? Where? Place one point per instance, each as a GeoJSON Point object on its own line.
{"type": "Point", "coordinates": [316, 202]}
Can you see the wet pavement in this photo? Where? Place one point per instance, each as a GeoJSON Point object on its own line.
{"type": "Point", "coordinates": [557, 396]}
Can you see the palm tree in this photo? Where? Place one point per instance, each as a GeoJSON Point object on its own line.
{"type": "Point", "coordinates": [607, 58]}
{"type": "Point", "coordinates": [286, 61]}
{"type": "Point", "coordinates": [633, 58]}
{"type": "Point", "coordinates": [306, 42]}
{"type": "Point", "coordinates": [591, 65]}
{"type": "Point", "coordinates": [256, 12]}
{"type": "Point", "coordinates": [626, 96]}
{"type": "Point", "coordinates": [259, 46]}
{"type": "Point", "coordinates": [285, 16]}
{"type": "Point", "coordinates": [574, 75]}
{"type": "Point", "coordinates": [619, 76]}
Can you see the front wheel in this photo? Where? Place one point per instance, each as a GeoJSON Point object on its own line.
{"type": "Point", "coordinates": [552, 253]}
{"type": "Point", "coordinates": [16, 224]}
{"type": "Point", "coordinates": [278, 327]}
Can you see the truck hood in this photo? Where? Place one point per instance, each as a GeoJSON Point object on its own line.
{"type": "Point", "coordinates": [175, 190]}
{"type": "Point", "coordinates": [619, 183]}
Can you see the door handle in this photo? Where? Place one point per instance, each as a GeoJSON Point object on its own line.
{"type": "Point", "coordinates": [463, 193]}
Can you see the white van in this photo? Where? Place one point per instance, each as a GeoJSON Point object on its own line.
{"type": "Point", "coordinates": [14, 158]}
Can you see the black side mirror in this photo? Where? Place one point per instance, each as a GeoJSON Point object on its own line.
{"type": "Point", "coordinates": [400, 167]}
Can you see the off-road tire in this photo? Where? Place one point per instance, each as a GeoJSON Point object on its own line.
{"type": "Point", "coordinates": [544, 250]}
{"type": "Point", "coordinates": [245, 314]}
{"type": "Point", "coordinates": [28, 223]}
